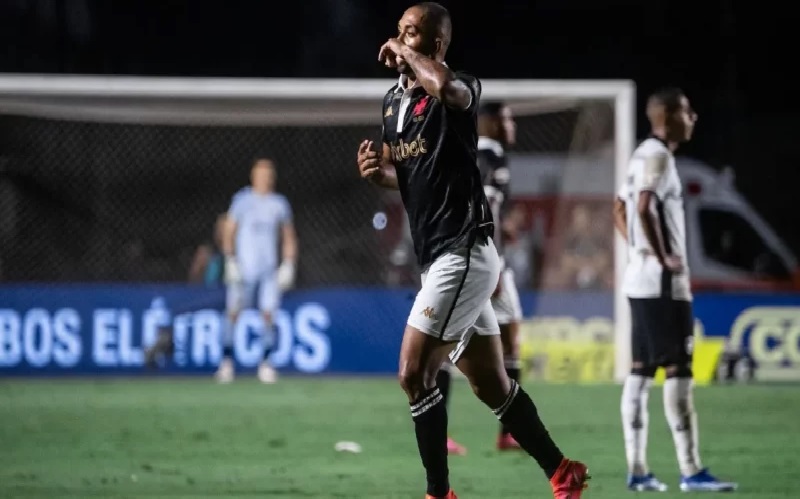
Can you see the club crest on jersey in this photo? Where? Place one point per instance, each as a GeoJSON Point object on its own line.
{"type": "Point", "coordinates": [419, 108]}
{"type": "Point", "coordinates": [388, 112]}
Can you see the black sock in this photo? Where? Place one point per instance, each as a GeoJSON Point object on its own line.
{"type": "Point", "coordinates": [519, 413]}
{"type": "Point", "coordinates": [443, 380]}
{"type": "Point", "coordinates": [227, 352]}
{"type": "Point", "coordinates": [430, 425]}
{"type": "Point", "coordinates": [513, 373]}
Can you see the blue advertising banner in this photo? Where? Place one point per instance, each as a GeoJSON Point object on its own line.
{"type": "Point", "coordinates": [104, 329]}
{"type": "Point", "coordinates": [97, 329]}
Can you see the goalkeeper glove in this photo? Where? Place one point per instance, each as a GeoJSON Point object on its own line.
{"type": "Point", "coordinates": [286, 275]}
{"type": "Point", "coordinates": [232, 273]}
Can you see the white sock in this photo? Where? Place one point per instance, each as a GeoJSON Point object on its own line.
{"type": "Point", "coordinates": [635, 419]}
{"type": "Point", "coordinates": [682, 420]}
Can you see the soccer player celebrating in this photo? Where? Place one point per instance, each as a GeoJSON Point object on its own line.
{"type": "Point", "coordinates": [429, 153]}
{"type": "Point", "coordinates": [496, 130]}
{"type": "Point", "coordinates": [257, 219]}
{"type": "Point", "coordinates": [649, 214]}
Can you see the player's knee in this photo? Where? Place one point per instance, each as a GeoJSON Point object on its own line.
{"type": "Point", "coordinates": [414, 380]}
{"type": "Point", "coordinates": [679, 371]}
{"type": "Point", "coordinates": [644, 371]}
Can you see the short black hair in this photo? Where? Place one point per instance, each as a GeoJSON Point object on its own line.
{"type": "Point", "coordinates": [669, 97]}
{"type": "Point", "coordinates": [491, 108]}
{"type": "Point", "coordinates": [438, 16]}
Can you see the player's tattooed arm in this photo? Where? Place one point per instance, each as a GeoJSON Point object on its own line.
{"type": "Point", "coordinates": [620, 218]}
{"type": "Point", "coordinates": [437, 79]}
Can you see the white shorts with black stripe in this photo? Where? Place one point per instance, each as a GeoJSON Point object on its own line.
{"type": "Point", "coordinates": [454, 302]}
{"type": "Point", "coordinates": [507, 306]}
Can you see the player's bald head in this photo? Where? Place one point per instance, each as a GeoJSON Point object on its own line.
{"type": "Point", "coordinates": [664, 102]}
{"type": "Point", "coordinates": [436, 21]}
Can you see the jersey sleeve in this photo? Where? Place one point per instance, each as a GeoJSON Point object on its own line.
{"type": "Point", "coordinates": [474, 86]}
{"type": "Point", "coordinates": [622, 192]}
{"type": "Point", "coordinates": [286, 211]}
{"type": "Point", "coordinates": [237, 206]}
{"type": "Point", "coordinates": [654, 174]}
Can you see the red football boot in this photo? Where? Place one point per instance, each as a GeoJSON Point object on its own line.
{"type": "Point", "coordinates": [507, 442]}
{"type": "Point", "coordinates": [570, 480]}
{"type": "Point", "coordinates": [450, 495]}
{"type": "Point", "coordinates": [454, 448]}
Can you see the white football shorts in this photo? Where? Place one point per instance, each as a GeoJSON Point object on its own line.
{"type": "Point", "coordinates": [507, 306]}
{"type": "Point", "coordinates": [264, 292]}
{"type": "Point", "coordinates": [455, 299]}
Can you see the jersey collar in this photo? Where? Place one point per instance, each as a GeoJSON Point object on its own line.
{"type": "Point", "coordinates": [488, 143]}
{"type": "Point", "coordinates": [651, 136]}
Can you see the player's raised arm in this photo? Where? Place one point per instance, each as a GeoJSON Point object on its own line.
{"type": "Point", "coordinates": [420, 47]}
{"type": "Point", "coordinates": [654, 171]}
{"type": "Point", "coordinates": [438, 80]}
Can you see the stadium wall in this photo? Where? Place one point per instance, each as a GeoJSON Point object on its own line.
{"type": "Point", "coordinates": [101, 329]}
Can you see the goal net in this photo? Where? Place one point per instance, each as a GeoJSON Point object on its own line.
{"type": "Point", "coordinates": [122, 179]}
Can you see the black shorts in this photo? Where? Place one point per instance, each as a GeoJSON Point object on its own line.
{"type": "Point", "coordinates": [662, 332]}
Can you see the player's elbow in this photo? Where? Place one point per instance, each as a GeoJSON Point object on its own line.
{"type": "Point", "coordinates": [454, 93]}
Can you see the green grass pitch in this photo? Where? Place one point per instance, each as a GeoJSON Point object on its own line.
{"type": "Point", "coordinates": [190, 438]}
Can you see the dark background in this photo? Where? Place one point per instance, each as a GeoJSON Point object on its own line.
{"type": "Point", "coordinates": [734, 59]}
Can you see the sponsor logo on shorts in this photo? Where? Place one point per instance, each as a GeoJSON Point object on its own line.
{"type": "Point", "coordinates": [429, 313]}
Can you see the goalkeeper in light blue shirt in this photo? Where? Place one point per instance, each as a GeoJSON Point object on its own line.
{"type": "Point", "coordinates": [259, 223]}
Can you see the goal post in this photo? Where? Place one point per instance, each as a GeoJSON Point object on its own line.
{"type": "Point", "coordinates": [313, 123]}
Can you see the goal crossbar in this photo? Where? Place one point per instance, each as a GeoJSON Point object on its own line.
{"type": "Point", "coordinates": [287, 101]}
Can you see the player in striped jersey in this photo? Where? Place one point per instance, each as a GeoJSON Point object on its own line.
{"type": "Point", "coordinates": [649, 214]}
{"type": "Point", "coordinates": [496, 130]}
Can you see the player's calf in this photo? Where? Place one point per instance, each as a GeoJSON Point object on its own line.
{"type": "Point", "coordinates": [636, 420]}
{"type": "Point", "coordinates": [421, 358]}
{"type": "Point", "coordinates": [509, 339]}
{"type": "Point", "coordinates": [225, 371]}
{"type": "Point", "coordinates": [482, 363]}
{"type": "Point", "coordinates": [682, 418]}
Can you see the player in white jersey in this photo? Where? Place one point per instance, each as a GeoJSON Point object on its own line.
{"type": "Point", "coordinates": [649, 214]}
{"type": "Point", "coordinates": [255, 273]}
{"type": "Point", "coordinates": [496, 131]}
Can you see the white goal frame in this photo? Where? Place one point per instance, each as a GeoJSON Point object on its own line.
{"type": "Point", "coordinates": [148, 99]}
